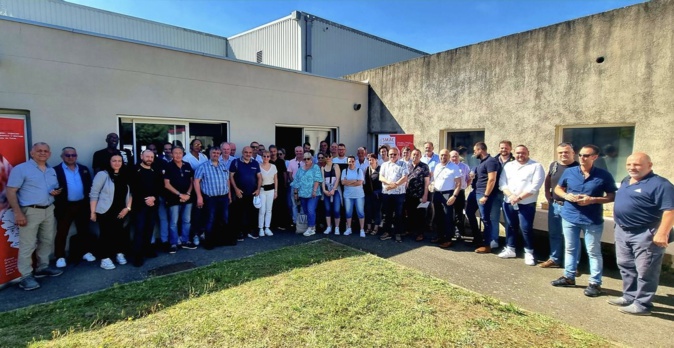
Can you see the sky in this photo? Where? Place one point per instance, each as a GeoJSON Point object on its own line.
{"type": "Point", "coordinates": [428, 25]}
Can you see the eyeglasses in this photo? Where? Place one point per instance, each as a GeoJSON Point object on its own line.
{"type": "Point", "coordinates": [70, 155]}
{"type": "Point", "coordinates": [320, 158]}
{"type": "Point", "coordinates": [266, 156]}
{"type": "Point", "coordinates": [393, 154]}
{"type": "Point", "coordinates": [308, 159]}
{"type": "Point", "coordinates": [584, 155]}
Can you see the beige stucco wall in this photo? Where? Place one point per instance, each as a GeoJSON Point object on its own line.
{"type": "Point", "coordinates": [74, 87]}
{"type": "Point", "coordinates": [523, 87]}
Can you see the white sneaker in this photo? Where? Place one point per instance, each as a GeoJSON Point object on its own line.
{"type": "Point", "coordinates": [196, 240]}
{"type": "Point", "coordinates": [61, 263]}
{"type": "Point", "coordinates": [328, 230]}
{"type": "Point", "coordinates": [309, 232]}
{"type": "Point", "coordinates": [362, 234]}
{"type": "Point", "coordinates": [529, 259]}
{"type": "Point", "coordinates": [267, 231]}
{"type": "Point", "coordinates": [507, 253]}
{"type": "Point", "coordinates": [107, 264]}
{"type": "Point", "coordinates": [250, 235]}
{"type": "Point", "coordinates": [89, 257]}
{"type": "Point", "coordinates": [336, 231]}
{"type": "Point", "coordinates": [493, 244]}
{"type": "Point", "coordinates": [347, 232]}
{"type": "Point", "coordinates": [261, 232]}
{"type": "Point", "coordinates": [121, 259]}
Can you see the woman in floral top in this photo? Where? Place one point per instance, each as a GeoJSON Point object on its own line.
{"type": "Point", "coordinates": [305, 186]}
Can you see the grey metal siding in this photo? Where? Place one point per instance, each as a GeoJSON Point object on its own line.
{"type": "Point", "coordinates": [280, 43]}
{"type": "Point", "coordinates": [64, 14]}
{"type": "Point", "coordinates": [338, 51]}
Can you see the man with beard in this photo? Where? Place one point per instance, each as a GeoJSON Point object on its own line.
{"type": "Point", "coordinates": [146, 187]}
{"type": "Point", "coordinates": [486, 178]}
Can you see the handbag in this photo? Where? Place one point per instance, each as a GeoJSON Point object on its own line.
{"type": "Point", "coordinates": [302, 223]}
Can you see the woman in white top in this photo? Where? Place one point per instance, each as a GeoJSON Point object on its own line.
{"type": "Point", "coordinates": [352, 179]}
{"type": "Point", "coordinates": [268, 193]}
{"type": "Point", "coordinates": [332, 194]}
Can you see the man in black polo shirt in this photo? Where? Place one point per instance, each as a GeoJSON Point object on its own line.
{"type": "Point", "coordinates": [246, 181]}
{"type": "Point", "coordinates": [178, 177]}
{"type": "Point", "coordinates": [486, 178]}
{"type": "Point", "coordinates": [566, 159]}
{"type": "Point", "coordinates": [644, 215]}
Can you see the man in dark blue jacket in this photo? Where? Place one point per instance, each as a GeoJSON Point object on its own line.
{"type": "Point", "coordinates": [72, 205]}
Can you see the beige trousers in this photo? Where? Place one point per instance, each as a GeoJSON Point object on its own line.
{"type": "Point", "coordinates": [37, 235]}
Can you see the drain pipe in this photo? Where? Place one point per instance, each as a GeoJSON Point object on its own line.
{"type": "Point", "coordinates": [307, 43]}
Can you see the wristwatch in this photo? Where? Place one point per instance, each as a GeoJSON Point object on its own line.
{"type": "Point", "coordinates": [128, 208]}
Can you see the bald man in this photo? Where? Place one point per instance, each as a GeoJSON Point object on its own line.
{"type": "Point", "coordinates": [644, 216]}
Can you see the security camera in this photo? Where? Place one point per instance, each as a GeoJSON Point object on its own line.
{"type": "Point", "coordinates": [356, 107]}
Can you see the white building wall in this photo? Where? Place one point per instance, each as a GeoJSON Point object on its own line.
{"type": "Point", "coordinates": [88, 19]}
{"type": "Point", "coordinates": [339, 51]}
{"type": "Point", "coordinates": [75, 86]}
{"type": "Point", "coordinates": [280, 42]}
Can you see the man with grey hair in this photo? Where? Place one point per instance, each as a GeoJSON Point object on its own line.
{"type": "Point", "coordinates": [31, 189]}
{"type": "Point", "coordinates": [361, 162]}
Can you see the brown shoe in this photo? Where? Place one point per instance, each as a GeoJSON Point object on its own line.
{"type": "Point", "coordinates": [445, 245]}
{"type": "Point", "coordinates": [577, 273]}
{"type": "Point", "coordinates": [420, 238]}
{"type": "Point", "coordinates": [549, 264]}
{"type": "Point", "coordinates": [483, 250]}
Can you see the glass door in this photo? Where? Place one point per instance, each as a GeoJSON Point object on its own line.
{"type": "Point", "coordinates": [136, 135]}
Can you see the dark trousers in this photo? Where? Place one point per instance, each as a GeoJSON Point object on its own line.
{"type": "Point", "coordinates": [198, 219]}
{"type": "Point", "coordinates": [247, 214]}
{"type": "Point", "coordinates": [393, 208]}
{"type": "Point", "coordinates": [113, 238]}
{"type": "Point", "coordinates": [444, 215]}
{"type": "Point", "coordinates": [77, 212]}
{"type": "Point", "coordinates": [416, 218]}
{"type": "Point", "coordinates": [279, 211]}
{"type": "Point", "coordinates": [144, 218]}
{"type": "Point", "coordinates": [471, 210]}
{"type": "Point", "coordinates": [459, 217]}
{"type": "Point", "coordinates": [217, 210]}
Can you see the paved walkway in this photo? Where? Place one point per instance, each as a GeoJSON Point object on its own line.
{"type": "Point", "coordinates": [507, 280]}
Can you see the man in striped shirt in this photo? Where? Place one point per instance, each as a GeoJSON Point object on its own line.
{"type": "Point", "coordinates": [211, 183]}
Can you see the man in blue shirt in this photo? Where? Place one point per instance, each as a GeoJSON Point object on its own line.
{"type": "Point", "coordinates": [644, 215]}
{"type": "Point", "coordinates": [486, 192]}
{"type": "Point", "coordinates": [211, 184]}
{"type": "Point", "coordinates": [585, 189]}
{"type": "Point", "coordinates": [31, 189]}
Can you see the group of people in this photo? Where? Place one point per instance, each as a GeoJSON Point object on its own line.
{"type": "Point", "coordinates": [194, 196]}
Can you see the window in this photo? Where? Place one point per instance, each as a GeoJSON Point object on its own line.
{"type": "Point", "coordinates": [288, 137]}
{"type": "Point", "coordinates": [137, 133]}
{"type": "Point", "coordinates": [258, 57]}
{"type": "Point", "coordinates": [616, 144]}
{"type": "Point", "coordinates": [457, 140]}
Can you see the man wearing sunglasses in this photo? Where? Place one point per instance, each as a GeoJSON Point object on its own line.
{"type": "Point", "coordinates": [72, 205]}
{"type": "Point", "coordinates": [585, 190]}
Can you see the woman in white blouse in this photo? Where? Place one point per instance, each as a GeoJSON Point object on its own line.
{"type": "Point", "coordinates": [268, 194]}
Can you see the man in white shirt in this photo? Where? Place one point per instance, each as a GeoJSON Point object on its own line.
{"type": "Point", "coordinates": [460, 204]}
{"type": "Point", "coordinates": [341, 152]}
{"type": "Point", "coordinates": [393, 176]}
{"type": "Point", "coordinates": [520, 181]}
{"type": "Point", "coordinates": [446, 187]}
{"type": "Point", "coordinates": [361, 162]}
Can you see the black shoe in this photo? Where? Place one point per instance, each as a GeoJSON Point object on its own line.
{"type": "Point", "coordinates": [208, 245]}
{"type": "Point", "coordinates": [173, 249]}
{"type": "Point", "coordinates": [592, 290]}
{"type": "Point", "coordinates": [150, 253]}
{"type": "Point", "coordinates": [47, 272]}
{"type": "Point", "coordinates": [563, 281]}
{"type": "Point", "coordinates": [138, 262]}
{"type": "Point", "coordinates": [189, 245]}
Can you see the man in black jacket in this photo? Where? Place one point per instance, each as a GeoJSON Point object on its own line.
{"type": "Point", "coordinates": [72, 205]}
{"type": "Point", "coordinates": [146, 185]}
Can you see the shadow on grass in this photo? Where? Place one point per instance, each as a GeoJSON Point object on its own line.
{"type": "Point", "coordinates": [136, 300]}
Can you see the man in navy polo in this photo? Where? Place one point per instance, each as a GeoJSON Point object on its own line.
{"type": "Point", "coordinates": [585, 190]}
{"type": "Point", "coordinates": [644, 215]}
{"type": "Point", "coordinates": [486, 190]}
{"type": "Point", "coordinates": [246, 182]}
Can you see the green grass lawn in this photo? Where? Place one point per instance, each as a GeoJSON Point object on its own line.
{"type": "Point", "coordinates": [319, 294]}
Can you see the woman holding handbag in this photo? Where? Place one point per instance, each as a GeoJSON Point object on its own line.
{"type": "Point", "coordinates": [305, 186]}
{"type": "Point", "coordinates": [332, 194]}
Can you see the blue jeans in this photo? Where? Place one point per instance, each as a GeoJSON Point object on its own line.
{"type": "Point", "coordinates": [522, 219]}
{"type": "Point", "coordinates": [360, 207]}
{"type": "Point", "coordinates": [291, 204]}
{"type": "Point", "coordinates": [496, 214]}
{"type": "Point", "coordinates": [373, 207]}
{"type": "Point", "coordinates": [592, 244]}
{"type": "Point", "coordinates": [184, 212]}
{"type": "Point", "coordinates": [488, 211]}
{"type": "Point", "coordinates": [556, 234]}
{"type": "Point", "coordinates": [218, 209]}
{"type": "Point", "coordinates": [309, 206]}
{"type": "Point", "coordinates": [163, 220]}
{"type": "Point", "coordinates": [333, 208]}
{"type": "Point", "coordinates": [393, 208]}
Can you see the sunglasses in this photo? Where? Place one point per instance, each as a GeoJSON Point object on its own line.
{"type": "Point", "coordinates": [70, 155]}
{"type": "Point", "coordinates": [320, 158]}
{"type": "Point", "coordinates": [308, 159]}
{"type": "Point", "coordinates": [393, 154]}
{"type": "Point", "coordinates": [585, 155]}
